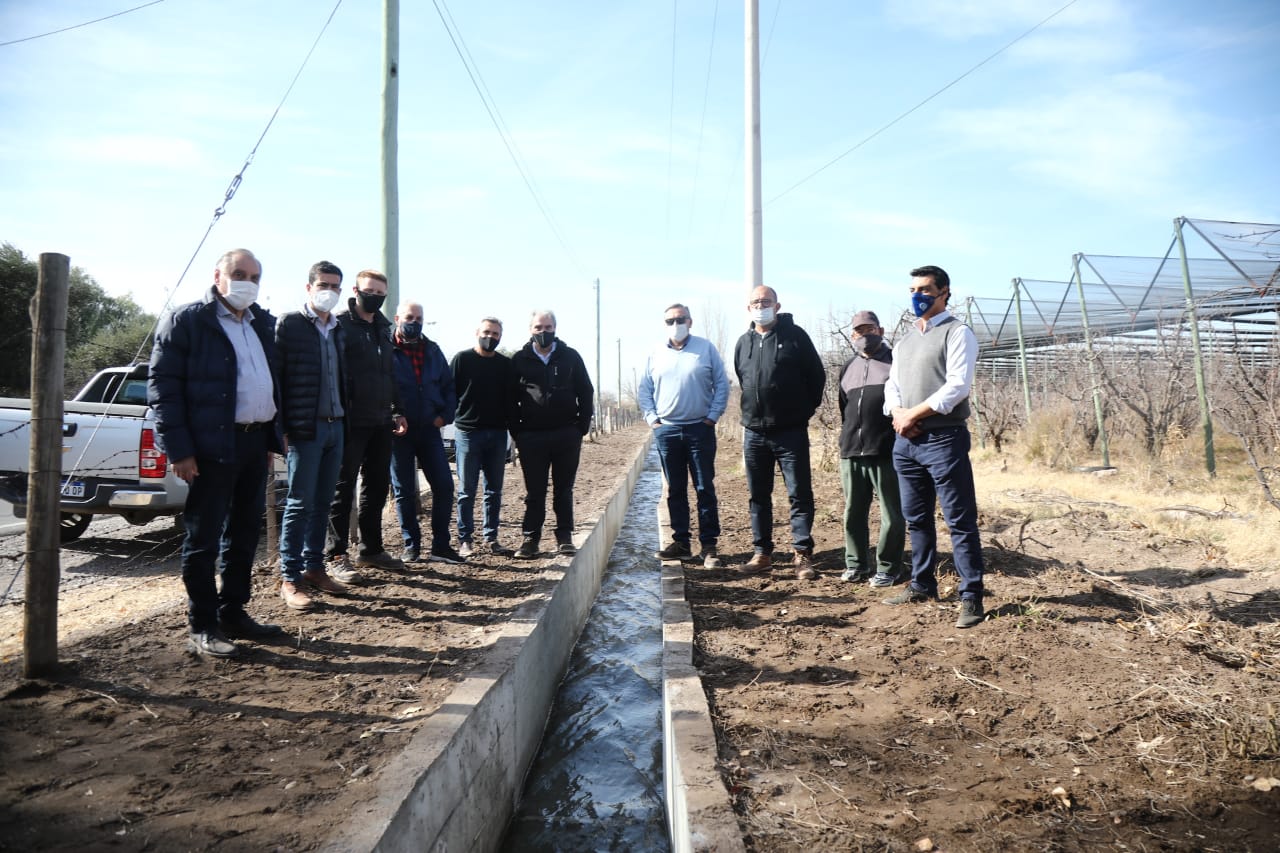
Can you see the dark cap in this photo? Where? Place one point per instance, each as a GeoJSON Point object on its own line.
{"type": "Point", "coordinates": [864, 318]}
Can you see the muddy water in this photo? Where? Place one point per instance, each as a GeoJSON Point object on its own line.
{"type": "Point", "coordinates": [597, 781]}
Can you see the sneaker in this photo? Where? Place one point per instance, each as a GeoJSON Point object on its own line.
{"type": "Point", "coordinates": [528, 549]}
{"type": "Point", "coordinates": [497, 549]}
{"type": "Point", "coordinates": [244, 626]}
{"type": "Point", "coordinates": [567, 549]}
{"type": "Point", "coordinates": [380, 560]}
{"type": "Point", "coordinates": [710, 558]}
{"type": "Point", "coordinates": [410, 555]}
{"type": "Point", "coordinates": [446, 554]}
{"type": "Point", "coordinates": [883, 579]}
{"type": "Point", "coordinates": [465, 550]}
{"type": "Point", "coordinates": [803, 563]}
{"type": "Point", "coordinates": [758, 563]}
{"type": "Point", "coordinates": [855, 575]}
{"type": "Point", "coordinates": [295, 597]}
{"type": "Point", "coordinates": [319, 579]}
{"type": "Point", "coordinates": [211, 643]}
{"type": "Point", "coordinates": [910, 595]}
{"type": "Point", "coordinates": [971, 613]}
{"type": "Point", "coordinates": [339, 568]}
{"type": "Point", "coordinates": [675, 551]}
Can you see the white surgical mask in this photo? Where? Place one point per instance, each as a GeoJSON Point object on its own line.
{"type": "Point", "coordinates": [679, 331]}
{"type": "Point", "coordinates": [241, 293]}
{"type": "Point", "coordinates": [762, 316]}
{"type": "Point", "coordinates": [324, 300]}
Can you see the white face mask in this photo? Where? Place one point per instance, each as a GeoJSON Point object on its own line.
{"type": "Point", "coordinates": [679, 331]}
{"type": "Point", "coordinates": [762, 316]}
{"type": "Point", "coordinates": [324, 300]}
{"type": "Point", "coordinates": [241, 294]}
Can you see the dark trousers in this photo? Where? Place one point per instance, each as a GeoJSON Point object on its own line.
{"type": "Point", "coordinates": [935, 465]}
{"type": "Point", "coordinates": [685, 449]}
{"type": "Point", "coordinates": [223, 518]}
{"type": "Point", "coordinates": [788, 449]}
{"type": "Point", "coordinates": [865, 477]}
{"type": "Point", "coordinates": [554, 453]}
{"type": "Point", "coordinates": [367, 455]}
{"type": "Point", "coordinates": [421, 446]}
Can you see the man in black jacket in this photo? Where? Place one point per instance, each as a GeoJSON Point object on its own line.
{"type": "Point", "coordinates": [553, 404]}
{"type": "Point", "coordinates": [781, 376]}
{"type": "Point", "coordinates": [866, 459]}
{"type": "Point", "coordinates": [373, 416]}
{"type": "Point", "coordinates": [314, 404]}
{"type": "Point", "coordinates": [212, 386]}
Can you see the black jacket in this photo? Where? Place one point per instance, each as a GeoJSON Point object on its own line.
{"type": "Point", "coordinates": [781, 376]}
{"type": "Point", "coordinates": [865, 430]}
{"type": "Point", "coordinates": [372, 397]}
{"type": "Point", "coordinates": [298, 342]}
{"type": "Point", "coordinates": [551, 395]}
{"type": "Point", "coordinates": [192, 381]}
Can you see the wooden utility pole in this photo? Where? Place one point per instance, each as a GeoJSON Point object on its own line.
{"type": "Point", "coordinates": [755, 205]}
{"type": "Point", "coordinates": [48, 348]}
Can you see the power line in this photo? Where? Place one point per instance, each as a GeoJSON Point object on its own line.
{"type": "Point", "coordinates": [702, 123]}
{"type": "Point", "coordinates": [78, 26]}
{"type": "Point", "coordinates": [818, 171]}
{"type": "Point", "coordinates": [671, 112]}
{"type": "Point", "coordinates": [491, 108]}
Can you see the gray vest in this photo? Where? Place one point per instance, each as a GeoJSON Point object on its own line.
{"type": "Point", "coordinates": [922, 370]}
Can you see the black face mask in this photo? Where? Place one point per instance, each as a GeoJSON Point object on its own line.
{"type": "Point", "coordinates": [370, 303]}
{"type": "Point", "coordinates": [867, 344]}
{"type": "Point", "coordinates": [544, 339]}
{"type": "Point", "coordinates": [487, 344]}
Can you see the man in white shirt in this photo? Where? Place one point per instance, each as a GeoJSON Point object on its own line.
{"type": "Point", "coordinates": [927, 394]}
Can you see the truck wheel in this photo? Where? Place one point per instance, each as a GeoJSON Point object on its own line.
{"type": "Point", "coordinates": [74, 524]}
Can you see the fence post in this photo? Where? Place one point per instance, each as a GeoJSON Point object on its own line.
{"type": "Point", "coordinates": [1093, 363]}
{"type": "Point", "coordinates": [1022, 348]}
{"type": "Point", "coordinates": [48, 348]}
{"type": "Point", "coordinates": [1206, 418]}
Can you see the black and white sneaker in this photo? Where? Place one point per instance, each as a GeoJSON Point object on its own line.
{"type": "Point", "coordinates": [446, 554]}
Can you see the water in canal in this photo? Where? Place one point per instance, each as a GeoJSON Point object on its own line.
{"type": "Point", "coordinates": [597, 781]}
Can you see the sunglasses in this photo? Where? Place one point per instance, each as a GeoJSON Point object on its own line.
{"type": "Point", "coordinates": [671, 321]}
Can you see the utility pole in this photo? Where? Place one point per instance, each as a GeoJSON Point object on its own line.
{"type": "Point", "coordinates": [390, 132]}
{"type": "Point", "coordinates": [619, 373]}
{"type": "Point", "coordinates": [755, 218]}
{"type": "Point", "coordinates": [599, 376]}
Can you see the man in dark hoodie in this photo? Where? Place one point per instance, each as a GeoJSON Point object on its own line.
{"type": "Point", "coordinates": [866, 458]}
{"type": "Point", "coordinates": [553, 404]}
{"type": "Point", "coordinates": [781, 376]}
{"type": "Point", "coordinates": [373, 416]}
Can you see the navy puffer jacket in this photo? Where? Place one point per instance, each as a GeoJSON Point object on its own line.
{"type": "Point", "coordinates": [192, 381]}
{"type": "Point", "coordinates": [298, 343]}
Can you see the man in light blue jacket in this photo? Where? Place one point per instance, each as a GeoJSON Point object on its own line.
{"type": "Point", "coordinates": [683, 392]}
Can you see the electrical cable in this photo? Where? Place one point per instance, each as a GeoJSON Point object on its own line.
{"type": "Point", "coordinates": [671, 114]}
{"type": "Point", "coordinates": [702, 123]}
{"type": "Point", "coordinates": [78, 26]}
{"type": "Point", "coordinates": [867, 139]}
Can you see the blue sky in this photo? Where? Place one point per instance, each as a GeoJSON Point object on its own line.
{"type": "Point", "coordinates": [119, 139]}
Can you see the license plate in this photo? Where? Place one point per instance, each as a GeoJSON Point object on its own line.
{"type": "Point", "coordinates": [73, 490]}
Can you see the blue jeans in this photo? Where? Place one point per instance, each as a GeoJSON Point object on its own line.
{"type": "Point", "coordinates": [685, 449]}
{"type": "Point", "coordinates": [223, 516]}
{"type": "Point", "coordinates": [313, 477]}
{"type": "Point", "coordinates": [788, 449]}
{"type": "Point", "coordinates": [421, 446]}
{"type": "Point", "coordinates": [935, 465]}
{"type": "Point", "coordinates": [479, 451]}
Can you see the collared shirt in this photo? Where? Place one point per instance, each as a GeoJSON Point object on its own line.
{"type": "Point", "coordinates": [685, 385]}
{"type": "Point", "coordinates": [255, 397]}
{"type": "Point", "coordinates": [546, 359]}
{"type": "Point", "coordinates": [330, 403]}
{"type": "Point", "coordinates": [962, 362]}
{"type": "Point", "coordinates": [324, 327]}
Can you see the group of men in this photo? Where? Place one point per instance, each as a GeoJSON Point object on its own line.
{"type": "Point", "coordinates": [903, 439]}
{"type": "Point", "coordinates": [346, 395]}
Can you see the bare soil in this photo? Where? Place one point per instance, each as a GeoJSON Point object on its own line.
{"type": "Point", "coordinates": [1124, 692]}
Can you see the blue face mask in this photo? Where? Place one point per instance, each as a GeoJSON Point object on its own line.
{"type": "Point", "coordinates": [921, 303]}
{"type": "Point", "coordinates": [410, 331]}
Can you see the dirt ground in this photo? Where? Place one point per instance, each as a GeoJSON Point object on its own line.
{"type": "Point", "coordinates": [1123, 694]}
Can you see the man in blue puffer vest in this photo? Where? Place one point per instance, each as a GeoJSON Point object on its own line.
{"type": "Point", "coordinates": [212, 386]}
{"type": "Point", "coordinates": [430, 401]}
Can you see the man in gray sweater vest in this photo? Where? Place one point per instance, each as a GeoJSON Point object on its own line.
{"type": "Point", "coordinates": [927, 394]}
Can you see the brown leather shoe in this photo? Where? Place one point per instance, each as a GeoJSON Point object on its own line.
{"type": "Point", "coordinates": [320, 579]}
{"type": "Point", "coordinates": [803, 564]}
{"type": "Point", "coordinates": [294, 597]}
{"type": "Point", "coordinates": [758, 563]}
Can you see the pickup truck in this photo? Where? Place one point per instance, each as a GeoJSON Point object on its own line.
{"type": "Point", "coordinates": [111, 463]}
